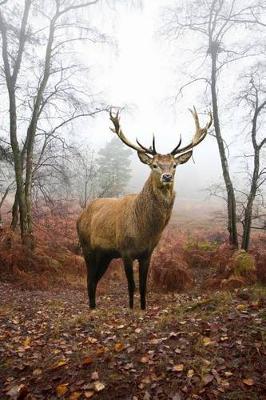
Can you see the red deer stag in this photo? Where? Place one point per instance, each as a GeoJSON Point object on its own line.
{"type": "Point", "coordinates": [130, 227]}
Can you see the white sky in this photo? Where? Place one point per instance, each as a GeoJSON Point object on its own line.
{"type": "Point", "coordinates": [141, 75]}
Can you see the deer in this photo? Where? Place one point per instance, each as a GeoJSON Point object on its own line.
{"type": "Point", "coordinates": [130, 227]}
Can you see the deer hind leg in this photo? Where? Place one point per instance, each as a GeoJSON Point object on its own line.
{"type": "Point", "coordinates": [128, 264]}
{"type": "Point", "coordinates": [143, 273]}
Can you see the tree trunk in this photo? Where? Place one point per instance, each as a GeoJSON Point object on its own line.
{"type": "Point", "coordinates": [20, 193]}
{"type": "Point", "coordinates": [14, 222]}
{"type": "Point", "coordinates": [11, 79]}
{"type": "Point", "coordinates": [231, 202]}
{"type": "Point", "coordinates": [253, 188]}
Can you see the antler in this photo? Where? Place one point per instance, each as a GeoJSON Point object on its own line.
{"type": "Point", "coordinates": [199, 135]}
{"type": "Point", "coordinates": [117, 129]}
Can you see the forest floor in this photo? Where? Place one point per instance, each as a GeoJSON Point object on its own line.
{"type": "Point", "coordinates": [185, 346]}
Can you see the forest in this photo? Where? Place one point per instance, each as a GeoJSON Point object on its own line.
{"type": "Point", "coordinates": [159, 294]}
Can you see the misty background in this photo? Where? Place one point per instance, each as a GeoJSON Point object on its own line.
{"type": "Point", "coordinates": [133, 58]}
{"type": "Point", "coordinates": [143, 69]}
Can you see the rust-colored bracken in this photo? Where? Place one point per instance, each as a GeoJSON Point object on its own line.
{"type": "Point", "coordinates": [130, 227]}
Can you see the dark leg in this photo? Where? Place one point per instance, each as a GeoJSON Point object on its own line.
{"type": "Point", "coordinates": [143, 272]}
{"type": "Point", "coordinates": [102, 266]}
{"type": "Point", "coordinates": [96, 266]}
{"type": "Point", "coordinates": [128, 264]}
{"type": "Point", "coordinates": [91, 278]}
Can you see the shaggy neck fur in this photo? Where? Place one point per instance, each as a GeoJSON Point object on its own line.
{"type": "Point", "coordinates": [153, 205]}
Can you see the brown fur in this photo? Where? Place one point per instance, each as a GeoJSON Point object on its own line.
{"type": "Point", "coordinates": [129, 227]}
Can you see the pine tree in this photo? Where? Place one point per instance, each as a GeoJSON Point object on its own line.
{"type": "Point", "coordinates": [113, 169]}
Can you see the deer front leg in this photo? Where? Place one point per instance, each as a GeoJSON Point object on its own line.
{"type": "Point", "coordinates": [143, 273]}
{"type": "Point", "coordinates": [128, 264]}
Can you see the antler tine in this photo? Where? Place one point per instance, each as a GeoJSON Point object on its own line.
{"type": "Point", "coordinates": [173, 152]}
{"type": "Point", "coordinates": [199, 135]}
{"type": "Point", "coordinates": [149, 150]}
{"type": "Point", "coordinates": [153, 144]}
{"type": "Point", "coordinates": [117, 129]}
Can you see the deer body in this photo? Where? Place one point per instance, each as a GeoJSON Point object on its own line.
{"type": "Point", "coordinates": [131, 227]}
{"type": "Point", "coordinates": [128, 226]}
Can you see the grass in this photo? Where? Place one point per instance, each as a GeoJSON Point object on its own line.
{"type": "Point", "coordinates": [215, 305]}
{"type": "Point", "coordinates": [257, 291]}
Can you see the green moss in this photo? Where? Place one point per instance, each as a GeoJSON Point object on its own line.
{"type": "Point", "coordinates": [243, 263]}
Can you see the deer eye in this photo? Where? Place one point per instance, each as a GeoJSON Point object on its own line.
{"type": "Point", "coordinates": [174, 166]}
{"type": "Point", "coordinates": [154, 166]}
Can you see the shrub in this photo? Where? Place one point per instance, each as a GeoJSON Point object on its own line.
{"type": "Point", "coordinates": [233, 282]}
{"type": "Point", "coordinates": [220, 260]}
{"type": "Point", "coordinates": [242, 264]}
{"type": "Point", "coordinates": [261, 266]}
{"type": "Point", "coordinates": [198, 258]}
{"type": "Point", "coordinates": [212, 283]}
{"type": "Point", "coordinates": [169, 271]}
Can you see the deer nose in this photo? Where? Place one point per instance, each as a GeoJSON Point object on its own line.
{"type": "Point", "coordinates": [167, 177]}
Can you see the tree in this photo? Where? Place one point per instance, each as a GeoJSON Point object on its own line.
{"type": "Point", "coordinates": [84, 178]}
{"type": "Point", "coordinates": [43, 90]}
{"type": "Point", "coordinates": [254, 97]}
{"type": "Point", "coordinates": [213, 21]}
{"type": "Point", "coordinates": [113, 169]}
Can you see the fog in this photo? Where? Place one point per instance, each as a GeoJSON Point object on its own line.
{"type": "Point", "coordinates": [135, 62]}
{"type": "Point", "coordinates": [143, 70]}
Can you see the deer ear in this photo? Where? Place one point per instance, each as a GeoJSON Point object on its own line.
{"type": "Point", "coordinates": [145, 158]}
{"type": "Point", "coordinates": [183, 158]}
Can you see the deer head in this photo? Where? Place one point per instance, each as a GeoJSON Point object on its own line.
{"type": "Point", "coordinates": [163, 166]}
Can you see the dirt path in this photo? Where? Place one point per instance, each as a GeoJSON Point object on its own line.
{"type": "Point", "coordinates": [184, 347]}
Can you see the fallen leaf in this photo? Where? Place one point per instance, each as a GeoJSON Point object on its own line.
{"type": "Point", "coordinates": [89, 394]}
{"type": "Point", "coordinates": [177, 350]}
{"type": "Point", "coordinates": [37, 372]}
{"type": "Point", "coordinates": [87, 361]}
{"type": "Point", "coordinates": [178, 367]}
{"type": "Point", "coordinates": [100, 351]}
{"type": "Point", "coordinates": [172, 335]}
{"type": "Point", "coordinates": [206, 379]}
{"type": "Point", "coordinates": [248, 381]}
{"type": "Point", "coordinates": [228, 373]}
{"type": "Point", "coordinates": [241, 307]}
{"type": "Point", "coordinates": [18, 392]}
{"type": "Point", "coordinates": [59, 364]}
{"type": "Point", "coordinates": [207, 341]}
{"type": "Point", "coordinates": [190, 373]}
{"type": "Point", "coordinates": [119, 347]}
{"type": "Point", "coordinates": [155, 341]}
{"type": "Point", "coordinates": [92, 340]}
{"type": "Point", "coordinates": [99, 386]}
{"type": "Point", "coordinates": [27, 341]}
{"type": "Point", "coordinates": [61, 389]}
{"type": "Point", "coordinates": [147, 396]}
{"type": "Point", "coordinates": [144, 359]}
{"type": "Point", "coordinates": [75, 396]}
{"type": "Point", "coordinates": [95, 376]}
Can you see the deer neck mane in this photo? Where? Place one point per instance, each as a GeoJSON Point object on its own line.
{"type": "Point", "coordinates": [153, 205]}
